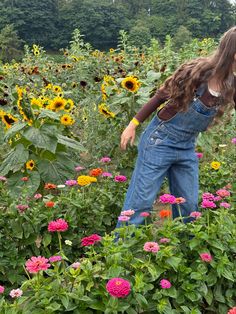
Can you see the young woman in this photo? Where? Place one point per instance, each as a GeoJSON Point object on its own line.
{"type": "Point", "coordinates": [197, 92]}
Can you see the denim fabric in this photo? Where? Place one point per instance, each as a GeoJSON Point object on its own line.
{"type": "Point", "coordinates": [167, 149]}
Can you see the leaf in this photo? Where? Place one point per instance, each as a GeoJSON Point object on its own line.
{"type": "Point", "coordinates": [13, 130]}
{"type": "Point", "coordinates": [49, 114]}
{"type": "Point", "coordinates": [152, 75]}
{"type": "Point", "coordinates": [47, 239]}
{"type": "Point", "coordinates": [44, 137]}
{"type": "Point", "coordinates": [69, 142]}
{"type": "Point", "coordinates": [173, 262]}
{"type": "Point", "coordinates": [209, 296]}
{"type": "Point", "coordinates": [228, 275]}
{"type": "Point", "coordinates": [15, 159]}
{"type": "Point", "coordinates": [114, 271]}
{"type": "Point", "coordinates": [15, 184]}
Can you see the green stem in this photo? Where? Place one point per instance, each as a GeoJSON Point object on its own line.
{"type": "Point", "coordinates": [179, 210]}
{"type": "Point", "coordinates": [59, 239]}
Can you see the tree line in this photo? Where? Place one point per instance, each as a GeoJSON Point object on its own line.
{"type": "Point", "coordinates": [50, 23]}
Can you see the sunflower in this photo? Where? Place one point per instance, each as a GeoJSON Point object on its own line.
{"type": "Point", "coordinates": [103, 109]}
{"type": "Point", "coordinates": [131, 84]}
{"type": "Point", "coordinates": [57, 104]}
{"type": "Point", "coordinates": [7, 119]}
{"type": "Point", "coordinates": [66, 119]}
{"type": "Point", "coordinates": [69, 105]}
{"type": "Point", "coordinates": [36, 102]}
{"type": "Point", "coordinates": [30, 164]}
{"type": "Point", "coordinates": [57, 89]}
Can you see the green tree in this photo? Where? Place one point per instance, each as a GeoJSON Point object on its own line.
{"type": "Point", "coordinates": [182, 36]}
{"type": "Point", "coordinates": [10, 44]}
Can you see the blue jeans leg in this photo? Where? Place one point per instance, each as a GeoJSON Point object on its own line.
{"type": "Point", "coordinates": [183, 182]}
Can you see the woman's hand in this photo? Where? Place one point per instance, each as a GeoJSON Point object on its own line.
{"type": "Point", "coordinates": [128, 135]}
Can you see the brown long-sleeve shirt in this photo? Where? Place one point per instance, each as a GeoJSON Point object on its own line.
{"type": "Point", "coordinates": [170, 109]}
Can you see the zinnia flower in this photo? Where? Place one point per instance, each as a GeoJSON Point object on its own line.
{"type": "Point", "coordinates": [199, 155]}
{"type": "Point", "coordinates": [35, 264]}
{"type": "Point", "coordinates": [123, 218]}
{"type": "Point", "coordinates": [233, 141]}
{"type": "Point", "coordinates": [128, 212]}
{"type": "Point", "coordinates": [151, 247]}
{"type": "Point", "coordinates": [223, 193]}
{"type": "Point", "coordinates": [233, 310]}
{"type": "Point", "coordinates": [71, 182]}
{"type": "Point", "coordinates": [165, 284]}
{"type": "Point", "coordinates": [50, 186]}
{"type": "Point", "coordinates": [118, 287]}
{"type": "Point", "coordinates": [85, 180]}
{"type": "Point", "coordinates": [215, 165]}
{"type": "Point", "coordinates": [167, 198]}
{"type": "Point", "coordinates": [208, 204]}
{"type": "Point", "coordinates": [90, 240]}
{"type": "Point", "coordinates": [120, 178]}
{"type": "Point", "coordinates": [95, 172]}
{"type": "Point", "coordinates": [25, 179]}
{"type": "Point", "coordinates": [59, 225]}
{"type": "Point", "coordinates": [1, 289]}
{"type": "Point", "coordinates": [49, 204]}
{"type": "Point", "coordinates": [22, 208]}
{"type": "Point", "coordinates": [75, 265]}
{"type": "Point", "coordinates": [107, 174]}
{"type": "Point", "coordinates": [79, 168]}
{"type": "Point", "coordinates": [225, 205]}
{"type": "Point", "coordinates": [37, 196]}
{"type": "Point", "coordinates": [3, 178]}
{"type": "Point", "coordinates": [68, 242]}
{"type": "Point", "coordinates": [164, 240]}
{"type": "Point", "coordinates": [105, 159]}
{"type": "Point", "coordinates": [165, 213]}
{"type": "Point", "coordinates": [144, 214]}
{"type": "Point", "coordinates": [16, 293]}
{"type": "Point", "coordinates": [180, 200]}
{"type": "Point", "coordinates": [208, 196]}
{"type": "Point", "coordinates": [55, 258]}
{"type": "Point", "coordinates": [195, 215]}
{"type": "Point", "coordinates": [206, 257]}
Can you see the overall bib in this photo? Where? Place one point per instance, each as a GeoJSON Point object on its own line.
{"type": "Point", "coordinates": [167, 149]}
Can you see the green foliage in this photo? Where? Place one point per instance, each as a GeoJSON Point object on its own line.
{"type": "Point", "coordinates": [10, 44]}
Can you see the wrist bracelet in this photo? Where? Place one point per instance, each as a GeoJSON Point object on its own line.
{"type": "Point", "coordinates": [135, 121]}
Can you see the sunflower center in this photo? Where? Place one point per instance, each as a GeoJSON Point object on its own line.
{"type": "Point", "coordinates": [129, 84]}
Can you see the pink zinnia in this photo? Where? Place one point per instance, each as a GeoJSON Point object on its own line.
{"type": "Point", "coordinates": [120, 178]}
{"type": "Point", "coordinates": [105, 159]}
{"type": "Point", "coordinates": [37, 196]}
{"type": "Point", "coordinates": [165, 284]}
{"type": "Point", "coordinates": [3, 178]}
{"type": "Point", "coordinates": [233, 310]}
{"type": "Point", "coordinates": [25, 179]}
{"type": "Point", "coordinates": [233, 141]}
{"type": "Point", "coordinates": [1, 289]}
{"type": "Point", "coordinates": [208, 204]}
{"type": "Point", "coordinates": [90, 240]}
{"type": "Point", "coordinates": [195, 215]}
{"type": "Point", "coordinates": [79, 168]}
{"type": "Point", "coordinates": [199, 155]}
{"type": "Point", "coordinates": [223, 193]}
{"type": "Point", "coordinates": [35, 264]}
{"type": "Point", "coordinates": [144, 214]}
{"type": "Point", "coordinates": [208, 196]}
{"type": "Point", "coordinates": [167, 198]}
{"type": "Point", "coordinates": [71, 182]}
{"type": "Point", "coordinates": [22, 208]}
{"type": "Point", "coordinates": [55, 258]}
{"type": "Point", "coordinates": [225, 205]}
{"type": "Point", "coordinates": [75, 265]}
{"type": "Point", "coordinates": [151, 247]}
{"type": "Point", "coordinates": [16, 293]}
{"type": "Point", "coordinates": [107, 174]}
{"type": "Point", "coordinates": [118, 287]}
{"type": "Point", "coordinates": [58, 225]}
{"type": "Point", "coordinates": [123, 218]}
{"type": "Point", "coordinates": [206, 257]}
{"type": "Point", "coordinates": [128, 212]}
{"type": "Point", "coordinates": [164, 240]}
{"type": "Point", "coordinates": [217, 198]}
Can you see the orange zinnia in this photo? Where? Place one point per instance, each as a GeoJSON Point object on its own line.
{"type": "Point", "coordinates": [165, 213]}
{"type": "Point", "coordinates": [50, 186]}
{"type": "Point", "coordinates": [96, 172]}
{"type": "Point", "coordinates": [50, 204]}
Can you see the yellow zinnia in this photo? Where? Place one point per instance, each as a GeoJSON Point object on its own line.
{"type": "Point", "coordinates": [215, 165]}
{"type": "Point", "coordinates": [130, 83]}
{"type": "Point", "coordinates": [85, 180]}
{"type": "Point", "coordinates": [30, 164]}
{"type": "Point", "coordinates": [66, 119]}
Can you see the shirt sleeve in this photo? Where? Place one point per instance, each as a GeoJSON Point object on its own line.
{"type": "Point", "coordinates": [159, 98]}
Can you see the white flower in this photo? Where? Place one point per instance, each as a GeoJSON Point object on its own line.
{"type": "Point", "coordinates": [222, 145]}
{"type": "Point", "coordinates": [61, 186]}
{"type": "Point", "coordinates": [68, 242]}
{"type": "Point", "coordinates": [16, 293]}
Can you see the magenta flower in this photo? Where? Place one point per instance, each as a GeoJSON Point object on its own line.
{"type": "Point", "coordinates": [120, 178]}
{"type": "Point", "coordinates": [223, 193]}
{"type": "Point", "coordinates": [165, 284]}
{"type": "Point", "coordinates": [75, 265]}
{"type": "Point", "coordinates": [233, 141]}
{"type": "Point", "coordinates": [118, 287]}
{"type": "Point", "coordinates": [90, 240]}
{"type": "Point", "coordinates": [71, 182]}
{"type": "Point", "coordinates": [123, 218]}
{"type": "Point", "coordinates": [167, 198]}
{"type": "Point", "coordinates": [217, 198]}
{"type": "Point", "coordinates": [208, 204]}
{"type": "Point", "coordinates": [164, 240]}
{"type": "Point", "coordinates": [22, 208]}
{"type": "Point", "coordinates": [55, 258]}
{"type": "Point", "coordinates": [38, 196]}
{"type": "Point", "coordinates": [59, 225]}
{"type": "Point", "coordinates": [105, 159]}
{"type": "Point", "coordinates": [233, 310]}
{"type": "Point", "coordinates": [225, 205]}
{"type": "Point", "coordinates": [107, 174]}
{"type": "Point", "coordinates": [196, 215]}
{"type": "Point", "coordinates": [79, 168]}
{"type": "Point", "coordinates": [206, 257]}
{"type": "Point", "coordinates": [35, 264]}
{"type": "Point", "coordinates": [128, 212]}
{"type": "Point", "coordinates": [2, 289]}
{"type": "Point", "coordinates": [199, 155]}
{"type": "Point", "coordinates": [208, 196]}
{"type": "Point", "coordinates": [16, 293]}
{"type": "Point", "coordinates": [144, 214]}
{"type": "Point", "coordinates": [151, 247]}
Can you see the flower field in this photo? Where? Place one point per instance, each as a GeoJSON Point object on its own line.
{"type": "Point", "coordinates": [63, 180]}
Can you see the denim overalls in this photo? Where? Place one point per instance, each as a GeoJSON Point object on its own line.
{"type": "Point", "coordinates": [167, 149]}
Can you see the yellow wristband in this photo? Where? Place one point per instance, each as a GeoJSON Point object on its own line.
{"type": "Point", "coordinates": [135, 121]}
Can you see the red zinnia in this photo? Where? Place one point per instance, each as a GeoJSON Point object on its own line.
{"type": "Point", "coordinates": [57, 225]}
{"type": "Point", "coordinates": [50, 204]}
{"type": "Point", "coordinates": [165, 213]}
{"type": "Point", "coordinates": [91, 240]}
{"type": "Point", "coordinates": [96, 172]}
{"type": "Point", "coordinates": [50, 186]}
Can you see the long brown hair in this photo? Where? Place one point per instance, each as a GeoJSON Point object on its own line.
{"type": "Point", "coordinates": [185, 80]}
